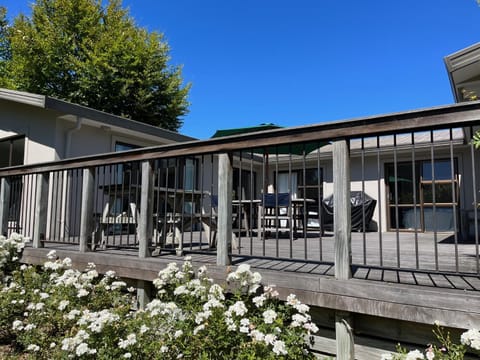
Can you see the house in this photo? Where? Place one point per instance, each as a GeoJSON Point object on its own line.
{"type": "Point", "coordinates": [416, 263]}
{"type": "Point", "coordinates": [37, 128]}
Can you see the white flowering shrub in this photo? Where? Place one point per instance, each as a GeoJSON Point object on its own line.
{"type": "Point", "coordinates": [10, 251]}
{"type": "Point", "coordinates": [57, 312]}
{"type": "Point", "coordinates": [52, 304]}
{"type": "Point", "coordinates": [447, 349]}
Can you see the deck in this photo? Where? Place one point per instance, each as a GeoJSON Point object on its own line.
{"type": "Point", "coordinates": [374, 290]}
{"type": "Point", "coordinates": [419, 168]}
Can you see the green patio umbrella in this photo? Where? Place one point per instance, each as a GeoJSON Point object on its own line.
{"type": "Point", "coordinates": [294, 149]}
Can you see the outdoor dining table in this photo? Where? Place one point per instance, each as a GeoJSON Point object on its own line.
{"type": "Point", "coordinates": [300, 213]}
{"type": "Point", "coordinates": [244, 213]}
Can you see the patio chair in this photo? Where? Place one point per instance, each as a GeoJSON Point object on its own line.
{"type": "Point", "coordinates": [111, 225]}
{"type": "Point", "coordinates": [275, 214]}
{"type": "Point", "coordinates": [209, 222]}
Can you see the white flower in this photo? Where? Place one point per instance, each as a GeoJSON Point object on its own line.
{"type": "Point", "coordinates": [244, 326]}
{"type": "Point", "coordinates": [17, 325]}
{"type": "Point", "coordinates": [72, 314]}
{"type": "Point", "coordinates": [181, 290]}
{"type": "Point", "coordinates": [118, 285]}
{"type": "Point", "coordinates": [216, 291]}
{"type": "Point", "coordinates": [279, 348]}
{"type": "Point", "coordinates": [302, 308]}
{"type": "Point", "coordinates": [67, 262]}
{"type": "Point", "coordinates": [52, 255]}
{"type": "Point", "coordinates": [82, 293]}
{"type": "Point", "coordinates": [310, 327]}
{"type": "Point", "coordinates": [259, 300]}
{"type": "Point", "coordinates": [269, 316]}
{"type": "Point", "coordinates": [110, 274]}
{"type": "Point", "coordinates": [52, 345]}
{"type": "Point", "coordinates": [471, 338]}
{"type": "Point", "coordinates": [257, 335]}
{"type": "Point", "coordinates": [230, 323]}
{"type": "Point", "coordinates": [299, 320]}
{"type": "Point", "coordinates": [202, 271]}
{"type": "Point", "coordinates": [33, 347]}
{"type": "Point", "coordinates": [29, 327]}
{"type": "Point", "coordinates": [82, 348]}
{"type": "Point", "coordinates": [63, 304]}
{"type": "Point", "coordinates": [177, 334]}
{"type": "Point", "coordinates": [212, 303]}
{"type": "Point", "coordinates": [130, 340]}
{"type": "Point", "coordinates": [198, 329]}
{"type": "Point", "coordinates": [414, 355]}
{"type": "Point", "coordinates": [270, 339]}
{"type": "Point", "coordinates": [163, 349]}
{"type": "Point", "coordinates": [270, 290]}
{"type": "Point", "coordinates": [144, 329]}
{"type": "Point", "coordinates": [127, 355]}
{"type": "Point", "coordinates": [238, 308]}
{"type": "Point", "coordinates": [202, 316]}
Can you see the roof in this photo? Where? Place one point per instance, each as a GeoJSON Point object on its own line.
{"type": "Point", "coordinates": [245, 130]}
{"type": "Point", "coordinates": [463, 69]}
{"type": "Point", "coordinates": [94, 117]}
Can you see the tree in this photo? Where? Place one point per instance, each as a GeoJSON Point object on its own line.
{"type": "Point", "coordinates": [93, 55]}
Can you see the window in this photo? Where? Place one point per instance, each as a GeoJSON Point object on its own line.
{"type": "Point", "coordinates": [179, 173]}
{"type": "Point", "coordinates": [304, 184]}
{"type": "Point", "coordinates": [244, 184]}
{"type": "Point", "coordinates": [12, 151]}
{"type": "Point", "coordinates": [127, 173]}
{"type": "Point", "coordinates": [422, 196]}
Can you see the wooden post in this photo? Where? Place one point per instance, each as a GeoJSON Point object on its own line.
{"type": "Point", "coordinates": [145, 218]}
{"type": "Point", "coordinates": [341, 210]}
{"type": "Point", "coordinates": [343, 246]}
{"type": "Point", "coordinates": [86, 212]}
{"type": "Point", "coordinates": [4, 205]}
{"type": "Point", "coordinates": [144, 293]}
{"type": "Point", "coordinates": [344, 335]}
{"type": "Point", "coordinates": [224, 222]}
{"type": "Point", "coordinates": [41, 209]}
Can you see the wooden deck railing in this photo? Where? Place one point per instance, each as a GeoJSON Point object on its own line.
{"type": "Point", "coordinates": [414, 176]}
{"type": "Point", "coordinates": [418, 168]}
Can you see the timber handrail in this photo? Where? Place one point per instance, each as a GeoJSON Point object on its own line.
{"type": "Point", "coordinates": [465, 114]}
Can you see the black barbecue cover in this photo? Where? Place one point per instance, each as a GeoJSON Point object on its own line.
{"type": "Point", "coordinates": [360, 203]}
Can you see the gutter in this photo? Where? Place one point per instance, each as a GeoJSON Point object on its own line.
{"type": "Point", "coordinates": [68, 136]}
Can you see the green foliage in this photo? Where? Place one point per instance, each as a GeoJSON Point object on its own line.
{"type": "Point", "coordinates": [444, 348]}
{"type": "Point", "coordinates": [476, 140]}
{"type": "Point", "coordinates": [96, 56]}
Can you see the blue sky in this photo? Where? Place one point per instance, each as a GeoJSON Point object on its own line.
{"type": "Point", "coordinates": [306, 61]}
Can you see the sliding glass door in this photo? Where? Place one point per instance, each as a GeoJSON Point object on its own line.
{"type": "Point", "coordinates": [422, 196]}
